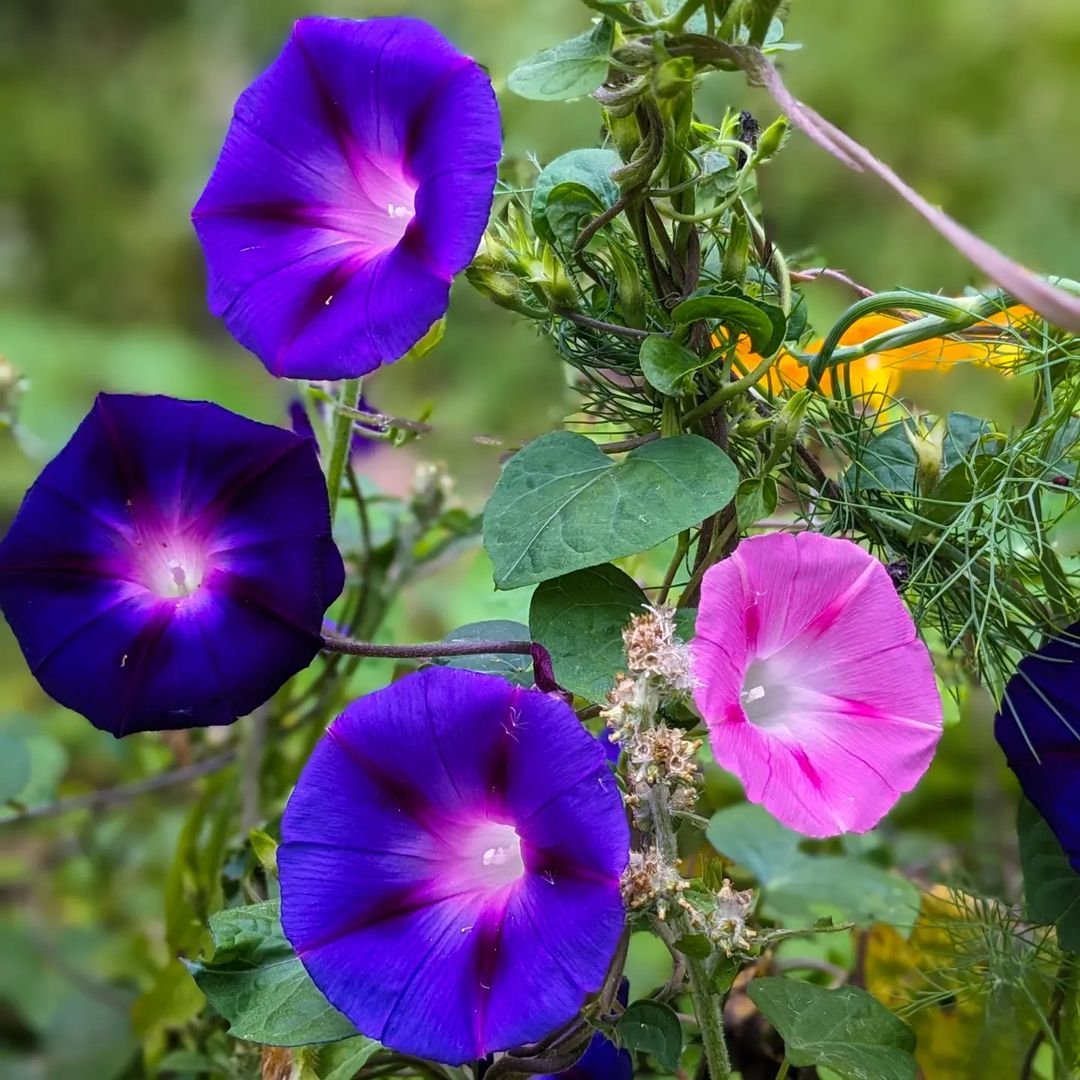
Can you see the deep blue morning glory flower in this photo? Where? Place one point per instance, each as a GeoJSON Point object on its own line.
{"type": "Point", "coordinates": [1038, 727]}
{"type": "Point", "coordinates": [171, 566]}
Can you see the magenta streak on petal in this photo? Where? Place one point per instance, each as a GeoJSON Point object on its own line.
{"type": "Point", "coordinates": [806, 768]}
{"type": "Point", "coordinates": [139, 661]}
{"type": "Point", "coordinates": [832, 611]}
{"type": "Point", "coordinates": [397, 792]}
{"type": "Point", "coordinates": [485, 958]}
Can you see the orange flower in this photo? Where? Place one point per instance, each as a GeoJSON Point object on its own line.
{"type": "Point", "coordinates": [879, 373]}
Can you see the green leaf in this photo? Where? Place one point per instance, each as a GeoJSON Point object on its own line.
{"type": "Point", "coordinates": [800, 888]}
{"type": "Point", "coordinates": [343, 1060]}
{"type": "Point", "coordinates": [14, 765]}
{"type": "Point", "coordinates": [573, 187]}
{"type": "Point", "coordinates": [569, 70]}
{"type": "Point", "coordinates": [756, 499]}
{"type": "Point", "coordinates": [258, 984]}
{"type": "Point", "coordinates": [517, 669]}
{"type": "Point", "coordinates": [846, 1030]}
{"type": "Point", "coordinates": [561, 504]}
{"type": "Point", "coordinates": [888, 462]}
{"type": "Point", "coordinates": [668, 366]}
{"type": "Point", "coordinates": [650, 1027]}
{"type": "Point", "coordinates": [953, 491]}
{"type": "Point", "coordinates": [763, 323]}
{"type": "Point", "coordinates": [1051, 885]}
{"type": "Point", "coordinates": [579, 618]}
{"type": "Point", "coordinates": [696, 946]}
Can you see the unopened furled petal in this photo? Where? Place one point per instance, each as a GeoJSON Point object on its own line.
{"type": "Point", "coordinates": [171, 566]}
{"type": "Point", "coordinates": [1038, 727]}
{"type": "Point", "coordinates": [450, 864]}
{"type": "Point", "coordinates": [816, 689]}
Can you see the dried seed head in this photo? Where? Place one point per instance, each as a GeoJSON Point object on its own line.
{"type": "Point", "coordinates": [648, 881]}
{"type": "Point", "coordinates": [653, 649]}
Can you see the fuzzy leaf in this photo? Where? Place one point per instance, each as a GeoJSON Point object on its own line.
{"type": "Point", "coordinates": [846, 1030]}
{"type": "Point", "coordinates": [258, 984]}
{"type": "Point", "coordinates": [573, 187]}
{"type": "Point", "coordinates": [763, 323]}
{"type": "Point", "coordinates": [569, 70]}
{"type": "Point", "coordinates": [561, 504]}
{"type": "Point", "coordinates": [579, 618]}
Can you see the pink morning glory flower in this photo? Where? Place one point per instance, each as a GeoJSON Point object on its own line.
{"type": "Point", "coordinates": [816, 689]}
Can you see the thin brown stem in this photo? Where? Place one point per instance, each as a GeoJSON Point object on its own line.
{"type": "Point", "coordinates": [604, 327]}
{"type": "Point", "coordinates": [425, 650]}
{"type": "Point", "coordinates": [96, 800]}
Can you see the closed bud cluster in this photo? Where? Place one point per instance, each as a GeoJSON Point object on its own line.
{"type": "Point", "coordinates": [432, 489]}
{"type": "Point", "coordinates": [649, 882]}
{"type": "Point", "coordinates": [652, 649]}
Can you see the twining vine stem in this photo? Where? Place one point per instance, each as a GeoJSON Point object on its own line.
{"type": "Point", "coordinates": [427, 649]}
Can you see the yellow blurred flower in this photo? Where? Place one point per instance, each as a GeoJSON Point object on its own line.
{"type": "Point", "coordinates": [879, 373]}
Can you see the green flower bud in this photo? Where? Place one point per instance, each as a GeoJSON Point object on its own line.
{"type": "Point", "coordinates": [500, 286]}
{"type": "Point", "coordinates": [736, 251]}
{"type": "Point", "coordinates": [929, 447]}
{"type": "Point", "coordinates": [772, 139]}
{"type": "Point", "coordinates": [673, 77]}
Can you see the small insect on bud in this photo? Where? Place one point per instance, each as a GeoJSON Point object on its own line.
{"type": "Point", "coordinates": [1060, 480]}
{"type": "Point", "coordinates": [899, 571]}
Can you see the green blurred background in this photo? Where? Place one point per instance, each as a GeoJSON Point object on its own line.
{"type": "Point", "coordinates": [111, 114]}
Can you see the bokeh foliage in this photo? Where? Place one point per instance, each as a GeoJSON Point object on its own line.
{"type": "Point", "coordinates": [112, 111]}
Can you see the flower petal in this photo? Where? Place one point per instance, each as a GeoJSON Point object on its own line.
{"type": "Point", "coordinates": [356, 179]}
{"type": "Point", "coordinates": [179, 552]}
{"type": "Point", "coordinates": [1038, 727]}
{"type": "Point", "coordinates": [817, 692]}
{"type": "Point", "coordinates": [454, 845]}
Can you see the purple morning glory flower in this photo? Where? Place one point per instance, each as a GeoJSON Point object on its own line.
{"type": "Point", "coordinates": [355, 181]}
{"type": "Point", "coordinates": [171, 566]}
{"type": "Point", "coordinates": [1038, 727]}
{"type": "Point", "coordinates": [602, 1059]}
{"type": "Point", "coordinates": [450, 864]}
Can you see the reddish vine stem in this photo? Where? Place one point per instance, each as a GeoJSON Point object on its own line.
{"type": "Point", "coordinates": [425, 650]}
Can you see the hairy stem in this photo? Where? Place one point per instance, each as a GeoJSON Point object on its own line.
{"type": "Point", "coordinates": [341, 443]}
{"type": "Point", "coordinates": [425, 650]}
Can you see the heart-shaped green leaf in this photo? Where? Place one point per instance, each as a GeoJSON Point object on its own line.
{"type": "Point", "coordinates": [668, 366]}
{"type": "Point", "coordinates": [846, 1030]}
{"type": "Point", "coordinates": [569, 70]}
{"type": "Point", "coordinates": [256, 981]}
{"type": "Point", "coordinates": [574, 186]}
{"type": "Point", "coordinates": [764, 324]}
{"type": "Point", "coordinates": [579, 618]}
{"type": "Point", "coordinates": [561, 504]}
{"type": "Point", "coordinates": [651, 1027]}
